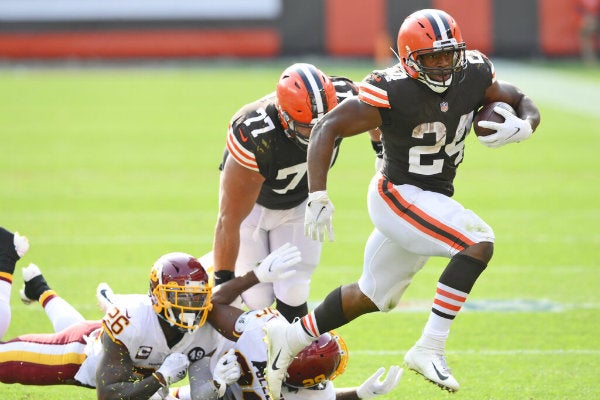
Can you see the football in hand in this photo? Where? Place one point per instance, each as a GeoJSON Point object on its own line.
{"type": "Point", "coordinates": [487, 113]}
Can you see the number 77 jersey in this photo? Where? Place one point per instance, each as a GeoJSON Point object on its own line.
{"type": "Point", "coordinates": [256, 139]}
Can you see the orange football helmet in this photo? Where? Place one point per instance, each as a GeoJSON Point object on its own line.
{"type": "Point", "coordinates": [430, 32]}
{"type": "Point", "coordinates": [304, 95]}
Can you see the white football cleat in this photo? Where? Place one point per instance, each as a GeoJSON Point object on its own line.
{"type": "Point", "coordinates": [29, 272]}
{"type": "Point", "coordinates": [432, 365]}
{"type": "Point", "coordinates": [105, 296]}
{"type": "Point", "coordinates": [279, 355]}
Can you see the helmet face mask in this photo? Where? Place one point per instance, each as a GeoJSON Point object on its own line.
{"type": "Point", "coordinates": [296, 131]}
{"type": "Point", "coordinates": [432, 50]}
{"type": "Point", "coordinates": [180, 291]}
{"type": "Point", "coordinates": [322, 360]}
{"type": "Point", "coordinates": [304, 95]}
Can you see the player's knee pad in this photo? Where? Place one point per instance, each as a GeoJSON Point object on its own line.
{"type": "Point", "coordinates": [293, 293]}
{"type": "Point", "coordinates": [259, 296]}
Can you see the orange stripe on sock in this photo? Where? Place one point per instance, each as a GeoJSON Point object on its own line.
{"type": "Point", "coordinates": [451, 295]}
{"type": "Point", "coordinates": [446, 305]}
{"type": "Point", "coordinates": [310, 324]}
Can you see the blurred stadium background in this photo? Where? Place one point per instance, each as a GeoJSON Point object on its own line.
{"type": "Point", "coordinates": [116, 29]}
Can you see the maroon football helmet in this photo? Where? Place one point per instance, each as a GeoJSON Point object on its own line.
{"type": "Point", "coordinates": [322, 360]}
{"type": "Point", "coordinates": [180, 290]}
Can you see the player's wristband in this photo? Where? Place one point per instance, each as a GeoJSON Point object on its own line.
{"type": "Point", "coordinates": [378, 148]}
{"type": "Point", "coordinates": [223, 276]}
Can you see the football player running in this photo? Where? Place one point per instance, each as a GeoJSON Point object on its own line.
{"type": "Point", "coordinates": [263, 186]}
{"type": "Point", "coordinates": [424, 106]}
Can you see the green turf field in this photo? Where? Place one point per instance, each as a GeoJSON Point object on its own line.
{"type": "Point", "coordinates": [105, 169]}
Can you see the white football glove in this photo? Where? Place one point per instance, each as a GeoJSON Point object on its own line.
{"type": "Point", "coordinates": [318, 215]}
{"type": "Point", "coordinates": [373, 386]}
{"type": "Point", "coordinates": [513, 129]}
{"type": "Point", "coordinates": [276, 265]}
{"type": "Point", "coordinates": [227, 371]}
{"type": "Point", "coordinates": [174, 368]}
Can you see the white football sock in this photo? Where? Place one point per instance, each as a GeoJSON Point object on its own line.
{"type": "Point", "coordinates": [61, 313]}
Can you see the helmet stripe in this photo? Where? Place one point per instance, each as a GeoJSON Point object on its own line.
{"type": "Point", "coordinates": [440, 26]}
{"type": "Point", "coordinates": [316, 91]}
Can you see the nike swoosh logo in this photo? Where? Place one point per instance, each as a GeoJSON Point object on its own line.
{"type": "Point", "coordinates": [103, 294]}
{"type": "Point", "coordinates": [244, 138]}
{"type": "Point", "coordinates": [441, 376]}
{"type": "Point", "coordinates": [319, 214]}
{"type": "Point", "coordinates": [274, 365]}
{"type": "Point", "coordinates": [517, 130]}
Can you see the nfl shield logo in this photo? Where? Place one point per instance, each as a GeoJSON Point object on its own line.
{"type": "Point", "coordinates": [444, 106]}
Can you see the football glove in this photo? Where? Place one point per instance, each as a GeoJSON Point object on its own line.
{"type": "Point", "coordinates": [226, 372]}
{"type": "Point", "coordinates": [373, 386]}
{"type": "Point", "coordinates": [276, 265]}
{"type": "Point", "coordinates": [173, 369]}
{"type": "Point", "coordinates": [513, 129]}
{"type": "Point", "coordinates": [318, 215]}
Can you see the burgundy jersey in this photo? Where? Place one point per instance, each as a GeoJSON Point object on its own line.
{"type": "Point", "coordinates": [256, 139]}
{"type": "Point", "coordinates": [424, 132]}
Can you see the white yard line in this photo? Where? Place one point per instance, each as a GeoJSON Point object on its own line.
{"type": "Point", "coordinates": [494, 305]}
{"type": "Point", "coordinates": [488, 352]}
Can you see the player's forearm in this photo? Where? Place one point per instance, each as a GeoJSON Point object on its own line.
{"type": "Point", "coordinates": [528, 110]}
{"type": "Point", "coordinates": [142, 389]}
{"type": "Point", "coordinates": [229, 290]}
{"type": "Point", "coordinates": [320, 152]}
{"type": "Point", "coordinates": [223, 318]}
{"type": "Point", "coordinates": [225, 247]}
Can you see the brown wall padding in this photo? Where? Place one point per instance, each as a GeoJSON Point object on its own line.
{"type": "Point", "coordinates": [516, 28]}
{"type": "Point", "coordinates": [302, 27]}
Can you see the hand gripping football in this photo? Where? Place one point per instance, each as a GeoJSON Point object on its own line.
{"type": "Point", "coordinates": [487, 113]}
